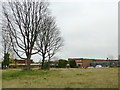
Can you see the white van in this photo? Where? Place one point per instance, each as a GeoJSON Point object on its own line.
{"type": "Point", "coordinates": [98, 66]}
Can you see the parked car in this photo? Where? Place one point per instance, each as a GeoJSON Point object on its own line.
{"type": "Point", "coordinates": [98, 66]}
{"type": "Point", "coordinates": [90, 67]}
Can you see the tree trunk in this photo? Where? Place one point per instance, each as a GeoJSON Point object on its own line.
{"type": "Point", "coordinates": [5, 66]}
{"type": "Point", "coordinates": [28, 63]}
{"type": "Point", "coordinates": [2, 66]}
{"type": "Point", "coordinates": [43, 62]}
{"type": "Point", "coordinates": [49, 64]}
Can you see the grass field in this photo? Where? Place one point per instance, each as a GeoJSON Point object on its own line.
{"type": "Point", "coordinates": [61, 78]}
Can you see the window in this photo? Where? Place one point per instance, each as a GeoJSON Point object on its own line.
{"type": "Point", "coordinates": [79, 65]}
{"type": "Point", "coordinates": [78, 60]}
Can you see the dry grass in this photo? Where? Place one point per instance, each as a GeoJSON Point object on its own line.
{"type": "Point", "coordinates": [61, 78]}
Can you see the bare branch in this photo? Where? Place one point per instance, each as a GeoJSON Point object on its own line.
{"type": "Point", "coordinates": [24, 20]}
{"type": "Point", "coordinates": [49, 40]}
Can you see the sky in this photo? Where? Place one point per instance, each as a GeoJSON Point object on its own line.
{"type": "Point", "coordinates": [89, 28]}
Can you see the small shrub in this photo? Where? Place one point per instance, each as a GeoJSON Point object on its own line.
{"type": "Point", "coordinates": [62, 63]}
{"type": "Point", "coordinates": [72, 64]}
{"type": "Point", "coordinates": [45, 65]}
{"type": "Point", "coordinates": [114, 65]}
{"type": "Point", "coordinates": [118, 65]}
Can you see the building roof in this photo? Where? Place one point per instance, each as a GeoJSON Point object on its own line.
{"type": "Point", "coordinates": [89, 59]}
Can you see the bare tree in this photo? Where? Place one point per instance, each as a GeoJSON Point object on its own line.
{"type": "Point", "coordinates": [49, 40]}
{"type": "Point", "coordinates": [6, 42]}
{"type": "Point", "coordinates": [24, 23]}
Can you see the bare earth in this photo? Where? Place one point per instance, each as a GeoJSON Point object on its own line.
{"type": "Point", "coordinates": [61, 78]}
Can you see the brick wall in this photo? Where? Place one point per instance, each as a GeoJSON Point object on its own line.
{"type": "Point", "coordinates": [85, 62]}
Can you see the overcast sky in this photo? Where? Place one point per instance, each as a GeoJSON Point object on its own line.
{"type": "Point", "coordinates": [89, 28]}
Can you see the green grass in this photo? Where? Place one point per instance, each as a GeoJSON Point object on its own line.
{"type": "Point", "coordinates": [23, 73]}
{"type": "Point", "coordinates": [61, 78]}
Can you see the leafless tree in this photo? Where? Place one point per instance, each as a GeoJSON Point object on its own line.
{"type": "Point", "coordinates": [6, 42]}
{"type": "Point", "coordinates": [49, 40]}
{"type": "Point", "coordinates": [24, 23]}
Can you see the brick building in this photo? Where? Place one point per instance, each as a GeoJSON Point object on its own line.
{"type": "Point", "coordinates": [23, 63]}
{"type": "Point", "coordinates": [82, 62]}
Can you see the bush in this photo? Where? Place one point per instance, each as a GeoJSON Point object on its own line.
{"type": "Point", "coordinates": [5, 62]}
{"type": "Point", "coordinates": [72, 63]}
{"type": "Point", "coordinates": [114, 65]}
{"type": "Point", "coordinates": [45, 65]}
{"type": "Point", "coordinates": [118, 65]}
{"type": "Point", "coordinates": [62, 63]}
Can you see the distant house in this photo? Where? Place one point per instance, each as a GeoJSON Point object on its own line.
{"type": "Point", "coordinates": [23, 63]}
{"type": "Point", "coordinates": [82, 62]}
